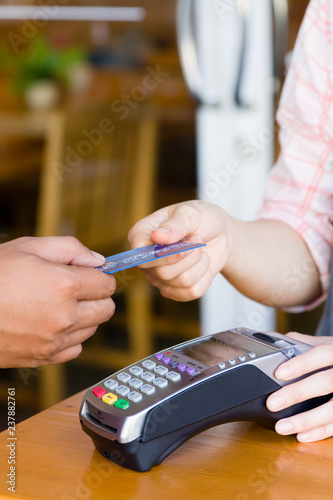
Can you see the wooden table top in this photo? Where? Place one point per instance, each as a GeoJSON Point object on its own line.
{"type": "Point", "coordinates": [56, 460]}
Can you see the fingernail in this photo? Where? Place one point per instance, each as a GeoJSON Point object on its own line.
{"type": "Point", "coordinates": [283, 372]}
{"type": "Point", "coordinates": [304, 436]}
{"type": "Point", "coordinates": [98, 256]}
{"type": "Point", "coordinates": [275, 403]}
{"type": "Point", "coordinates": [284, 427]}
{"type": "Point", "coordinates": [163, 229]}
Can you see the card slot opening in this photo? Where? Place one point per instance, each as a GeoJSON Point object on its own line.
{"type": "Point", "coordinates": [97, 421]}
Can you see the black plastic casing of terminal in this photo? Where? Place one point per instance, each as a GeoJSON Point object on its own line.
{"type": "Point", "coordinates": [210, 403]}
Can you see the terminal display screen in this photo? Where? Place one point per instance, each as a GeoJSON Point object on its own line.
{"type": "Point", "coordinates": [212, 351]}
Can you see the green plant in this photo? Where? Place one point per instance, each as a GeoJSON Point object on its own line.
{"type": "Point", "coordinates": [41, 61]}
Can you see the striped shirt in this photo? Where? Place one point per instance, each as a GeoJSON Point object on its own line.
{"type": "Point", "coordinates": [299, 191]}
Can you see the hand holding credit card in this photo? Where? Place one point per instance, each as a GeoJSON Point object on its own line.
{"type": "Point", "coordinates": [142, 255]}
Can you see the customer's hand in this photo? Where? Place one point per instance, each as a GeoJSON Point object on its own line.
{"type": "Point", "coordinates": [51, 300]}
{"type": "Point", "coordinates": [315, 424]}
{"type": "Point", "coordinates": [184, 276]}
{"type": "Point", "coordinates": [256, 257]}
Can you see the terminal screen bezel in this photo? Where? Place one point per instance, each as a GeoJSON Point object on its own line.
{"type": "Point", "coordinates": [212, 351]}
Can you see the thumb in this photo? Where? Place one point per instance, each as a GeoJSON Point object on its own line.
{"type": "Point", "coordinates": [183, 223]}
{"type": "Point", "coordinates": [65, 250]}
{"type": "Point", "coordinates": [169, 231]}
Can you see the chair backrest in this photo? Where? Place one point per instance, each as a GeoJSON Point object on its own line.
{"type": "Point", "coordinates": [98, 175]}
{"type": "Point", "coordinates": [97, 180]}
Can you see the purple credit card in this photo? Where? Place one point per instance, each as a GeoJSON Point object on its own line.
{"type": "Point", "coordinates": [143, 255]}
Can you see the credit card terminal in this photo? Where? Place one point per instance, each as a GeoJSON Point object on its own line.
{"type": "Point", "coordinates": [137, 416]}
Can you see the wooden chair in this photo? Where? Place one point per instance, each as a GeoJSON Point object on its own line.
{"type": "Point", "coordinates": [97, 181]}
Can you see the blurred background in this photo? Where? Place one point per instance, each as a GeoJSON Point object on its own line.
{"type": "Point", "coordinates": [106, 115]}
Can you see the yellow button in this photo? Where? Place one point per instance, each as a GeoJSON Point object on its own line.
{"type": "Point", "coordinates": [109, 398]}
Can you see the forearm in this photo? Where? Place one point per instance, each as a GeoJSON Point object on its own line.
{"type": "Point", "coordinates": [270, 263]}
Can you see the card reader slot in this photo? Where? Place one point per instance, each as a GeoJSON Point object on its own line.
{"type": "Point", "coordinates": [95, 421]}
{"type": "Point", "coordinates": [264, 337]}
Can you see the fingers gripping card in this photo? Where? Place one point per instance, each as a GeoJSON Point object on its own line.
{"type": "Point", "coordinates": [143, 255]}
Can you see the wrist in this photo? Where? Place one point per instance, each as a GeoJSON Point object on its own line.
{"type": "Point", "coordinates": [233, 245]}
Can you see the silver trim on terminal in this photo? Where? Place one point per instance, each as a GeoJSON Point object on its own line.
{"type": "Point", "coordinates": [126, 427]}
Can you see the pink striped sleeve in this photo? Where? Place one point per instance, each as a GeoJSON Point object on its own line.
{"type": "Point", "coordinates": [299, 191]}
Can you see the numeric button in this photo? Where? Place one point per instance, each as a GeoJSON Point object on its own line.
{"type": "Point", "coordinates": [136, 383]}
{"type": "Point", "coordinates": [160, 382]}
{"type": "Point", "coordinates": [147, 389]}
{"type": "Point", "coordinates": [124, 377]}
{"type": "Point", "coordinates": [161, 370]}
{"type": "Point", "coordinates": [173, 376]}
{"type": "Point", "coordinates": [136, 370]}
{"type": "Point", "coordinates": [147, 376]}
{"type": "Point", "coordinates": [111, 384]}
{"type": "Point", "coordinates": [123, 390]}
{"type": "Point", "coordinates": [134, 396]}
{"type": "Point", "coordinates": [148, 364]}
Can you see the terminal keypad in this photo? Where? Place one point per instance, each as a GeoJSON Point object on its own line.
{"type": "Point", "coordinates": [138, 382]}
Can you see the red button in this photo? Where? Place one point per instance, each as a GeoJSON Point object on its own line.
{"type": "Point", "coordinates": [99, 391]}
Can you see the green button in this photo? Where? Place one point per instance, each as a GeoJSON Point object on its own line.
{"type": "Point", "coordinates": [122, 403]}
